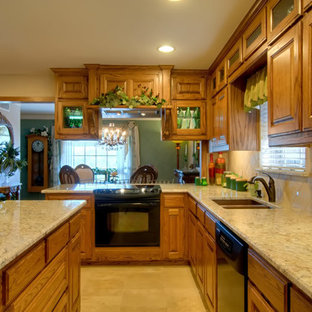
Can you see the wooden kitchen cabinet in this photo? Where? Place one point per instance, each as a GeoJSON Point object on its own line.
{"type": "Point", "coordinates": [234, 58]}
{"type": "Point", "coordinates": [72, 86]}
{"type": "Point", "coordinates": [210, 272]}
{"type": "Point", "coordinates": [74, 273]}
{"type": "Point", "coordinates": [307, 72]}
{"type": "Point", "coordinates": [188, 85]}
{"type": "Point", "coordinates": [221, 75]}
{"type": "Point", "coordinates": [213, 84]}
{"type": "Point", "coordinates": [200, 243]}
{"type": "Point", "coordinates": [192, 224]}
{"type": "Point", "coordinates": [86, 221]}
{"type": "Point", "coordinates": [173, 231]}
{"type": "Point", "coordinates": [256, 303]}
{"type": "Point", "coordinates": [284, 83]}
{"type": "Point", "coordinates": [281, 14]}
{"type": "Point", "coordinates": [255, 35]}
{"type": "Point", "coordinates": [306, 4]}
{"type": "Point", "coordinates": [220, 119]}
{"type": "Point", "coordinates": [270, 283]}
{"type": "Point", "coordinates": [299, 302]}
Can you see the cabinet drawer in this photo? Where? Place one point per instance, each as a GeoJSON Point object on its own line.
{"type": "Point", "coordinates": [20, 274]}
{"type": "Point", "coordinates": [47, 287]}
{"type": "Point", "coordinates": [299, 302]}
{"type": "Point", "coordinates": [57, 240]}
{"type": "Point", "coordinates": [62, 305]}
{"type": "Point", "coordinates": [210, 224]}
{"type": "Point", "coordinates": [74, 225]}
{"type": "Point", "coordinates": [200, 213]}
{"type": "Point", "coordinates": [192, 205]}
{"type": "Point", "coordinates": [272, 285]}
{"type": "Point", "coordinates": [174, 201]}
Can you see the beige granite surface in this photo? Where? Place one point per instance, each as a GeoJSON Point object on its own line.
{"type": "Point", "coordinates": [281, 235]}
{"type": "Point", "coordinates": [24, 222]}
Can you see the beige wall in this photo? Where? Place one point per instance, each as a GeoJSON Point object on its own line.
{"type": "Point", "coordinates": [32, 86]}
{"type": "Point", "coordinates": [294, 191]}
{"type": "Point", "coordinates": [14, 116]}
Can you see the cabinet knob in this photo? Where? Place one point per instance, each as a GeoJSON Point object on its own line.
{"type": "Point", "coordinates": [310, 117]}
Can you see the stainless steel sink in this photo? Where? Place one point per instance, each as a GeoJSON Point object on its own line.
{"type": "Point", "coordinates": [240, 204]}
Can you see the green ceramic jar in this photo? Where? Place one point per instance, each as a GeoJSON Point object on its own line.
{"type": "Point", "coordinates": [241, 185]}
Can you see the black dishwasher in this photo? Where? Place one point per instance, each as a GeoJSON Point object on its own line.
{"type": "Point", "coordinates": [232, 271]}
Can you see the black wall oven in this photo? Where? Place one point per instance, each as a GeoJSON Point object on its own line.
{"type": "Point", "coordinates": [127, 216]}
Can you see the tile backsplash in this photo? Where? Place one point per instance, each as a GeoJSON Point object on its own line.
{"type": "Point", "coordinates": [291, 191]}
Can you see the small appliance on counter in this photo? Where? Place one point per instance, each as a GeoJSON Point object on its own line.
{"type": "Point", "coordinates": [127, 216]}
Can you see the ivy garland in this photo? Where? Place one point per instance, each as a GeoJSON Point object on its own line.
{"type": "Point", "coordinates": [118, 97]}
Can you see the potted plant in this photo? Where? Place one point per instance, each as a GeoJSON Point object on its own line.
{"type": "Point", "coordinates": [9, 161]}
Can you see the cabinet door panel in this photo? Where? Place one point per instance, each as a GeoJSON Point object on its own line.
{"type": "Point", "coordinates": [299, 302]}
{"type": "Point", "coordinates": [72, 87]}
{"type": "Point", "coordinates": [86, 245]}
{"type": "Point", "coordinates": [284, 83]}
{"type": "Point", "coordinates": [192, 240]}
{"type": "Point", "coordinates": [255, 34]}
{"type": "Point", "coordinates": [200, 233]}
{"type": "Point", "coordinates": [74, 271]}
{"type": "Point", "coordinates": [109, 82]}
{"type": "Point", "coordinates": [210, 271]}
{"type": "Point", "coordinates": [281, 14]}
{"type": "Point", "coordinates": [256, 303]}
{"type": "Point", "coordinates": [307, 72]}
{"type": "Point", "coordinates": [220, 116]}
{"type": "Point", "coordinates": [174, 233]}
{"type": "Point", "coordinates": [188, 87]}
{"type": "Point", "coordinates": [234, 58]}
{"type": "Point", "coordinates": [306, 4]}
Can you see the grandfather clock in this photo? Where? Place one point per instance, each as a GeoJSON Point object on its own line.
{"type": "Point", "coordinates": [38, 176]}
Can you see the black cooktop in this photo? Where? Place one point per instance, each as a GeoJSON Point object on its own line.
{"type": "Point", "coordinates": [128, 191]}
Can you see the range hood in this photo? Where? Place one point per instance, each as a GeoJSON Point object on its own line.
{"type": "Point", "coordinates": [131, 113]}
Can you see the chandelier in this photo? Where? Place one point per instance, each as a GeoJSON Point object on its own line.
{"type": "Point", "coordinates": [113, 136]}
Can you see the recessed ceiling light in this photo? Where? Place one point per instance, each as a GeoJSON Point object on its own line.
{"type": "Point", "coordinates": [166, 49]}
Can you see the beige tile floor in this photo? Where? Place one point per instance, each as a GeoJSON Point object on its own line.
{"type": "Point", "coordinates": [139, 289]}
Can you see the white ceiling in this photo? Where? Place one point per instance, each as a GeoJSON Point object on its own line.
{"type": "Point", "coordinates": [36, 35]}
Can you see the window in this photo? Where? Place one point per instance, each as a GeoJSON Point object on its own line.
{"type": "Point", "coordinates": [96, 156]}
{"type": "Point", "coordinates": [287, 160]}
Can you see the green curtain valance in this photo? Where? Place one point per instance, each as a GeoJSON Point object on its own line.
{"type": "Point", "coordinates": [256, 90]}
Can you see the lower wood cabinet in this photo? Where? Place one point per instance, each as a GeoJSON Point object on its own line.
{"type": "Point", "coordinates": [173, 229]}
{"type": "Point", "coordinates": [299, 302]}
{"type": "Point", "coordinates": [42, 280]}
{"type": "Point", "coordinates": [86, 220]}
{"type": "Point", "coordinates": [192, 223]}
{"type": "Point", "coordinates": [210, 272]}
{"type": "Point", "coordinates": [256, 303]}
{"type": "Point", "coordinates": [202, 253]}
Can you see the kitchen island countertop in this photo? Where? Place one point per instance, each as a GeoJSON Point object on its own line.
{"type": "Point", "coordinates": [282, 235]}
{"type": "Point", "coordinates": [23, 223]}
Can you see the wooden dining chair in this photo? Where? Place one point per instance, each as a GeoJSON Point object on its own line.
{"type": "Point", "coordinates": [85, 173]}
{"type": "Point", "coordinates": [144, 174]}
{"type": "Point", "coordinates": [68, 175]}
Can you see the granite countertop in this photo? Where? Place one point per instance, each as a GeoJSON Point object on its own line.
{"type": "Point", "coordinates": [281, 235]}
{"type": "Point", "coordinates": [24, 222]}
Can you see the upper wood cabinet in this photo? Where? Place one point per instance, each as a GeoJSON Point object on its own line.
{"type": "Point", "coordinates": [73, 119]}
{"type": "Point", "coordinates": [307, 72]}
{"type": "Point", "coordinates": [221, 76]}
{"type": "Point", "coordinates": [213, 84]}
{"type": "Point", "coordinates": [284, 83]}
{"type": "Point", "coordinates": [281, 15]}
{"type": "Point", "coordinates": [220, 116]}
{"type": "Point", "coordinates": [133, 82]}
{"type": "Point", "coordinates": [299, 302]}
{"type": "Point", "coordinates": [306, 4]}
{"type": "Point", "coordinates": [72, 87]}
{"type": "Point", "coordinates": [234, 58]}
{"type": "Point", "coordinates": [255, 35]}
{"type": "Point", "coordinates": [188, 86]}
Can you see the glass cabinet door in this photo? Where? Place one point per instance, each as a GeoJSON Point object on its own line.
{"type": "Point", "coordinates": [190, 117]}
{"type": "Point", "coordinates": [71, 117]}
{"type": "Point", "coordinates": [281, 14]}
{"type": "Point", "coordinates": [234, 58]}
